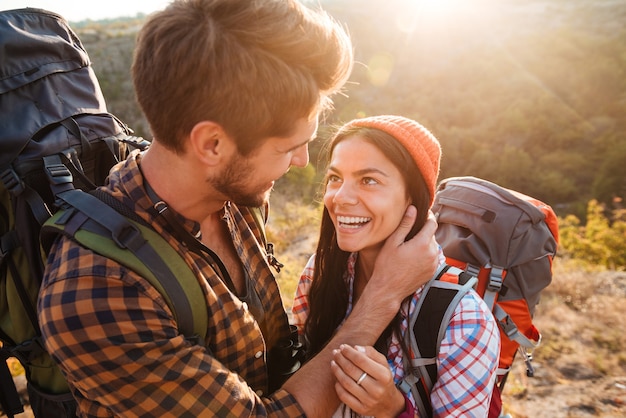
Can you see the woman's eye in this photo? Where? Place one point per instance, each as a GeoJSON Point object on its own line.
{"type": "Point", "coordinates": [331, 178]}
{"type": "Point", "coordinates": [369, 181]}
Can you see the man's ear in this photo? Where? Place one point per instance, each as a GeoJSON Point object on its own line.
{"type": "Point", "coordinates": [209, 143]}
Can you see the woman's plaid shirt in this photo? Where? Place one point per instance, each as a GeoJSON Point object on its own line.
{"type": "Point", "coordinates": [468, 356]}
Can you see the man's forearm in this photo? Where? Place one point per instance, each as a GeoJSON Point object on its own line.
{"type": "Point", "coordinates": [314, 384]}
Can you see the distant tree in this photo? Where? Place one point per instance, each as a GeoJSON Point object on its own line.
{"type": "Point", "coordinates": [610, 180]}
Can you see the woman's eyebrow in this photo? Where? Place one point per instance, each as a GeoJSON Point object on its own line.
{"type": "Point", "coordinates": [362, 171]}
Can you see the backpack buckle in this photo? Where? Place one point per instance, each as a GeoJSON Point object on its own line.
{"type": "Point", "coordinates": [8, 242]}
{"type": "Point", "coordinates": [58, 173]}
{"type": "Point", "coordinates": [508, 327]}
{"type": "Point", "coordinates": [472, 269]}
{"type": "Point", "coordinates": [495, 279]}
{"type": "Point", "coordinates": [528, 358]}
{"type": "Point", "coordinates": [12, 182]}
{"type": "Point", "coordinates": [28, 350]}
{"type": "Point", "coordinates": [128, 236]}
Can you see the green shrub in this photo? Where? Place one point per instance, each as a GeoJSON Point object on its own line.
{"type": "Point", "coordinates": [601, 241]}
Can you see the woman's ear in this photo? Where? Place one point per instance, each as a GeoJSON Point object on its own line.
{"type": "Point", "coordinates": [210, 144]}
{"type": "Point", "coordinates": [416, 227]}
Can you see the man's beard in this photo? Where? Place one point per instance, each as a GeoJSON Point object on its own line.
{"type": "Point", "coordinates": [233, 181]}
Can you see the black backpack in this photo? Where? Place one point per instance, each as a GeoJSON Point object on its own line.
{"type": "Point", "coordinates": [55, 134]}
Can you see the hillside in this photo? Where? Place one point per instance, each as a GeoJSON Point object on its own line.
{"type": "Point", "coordinates": [528, 94]}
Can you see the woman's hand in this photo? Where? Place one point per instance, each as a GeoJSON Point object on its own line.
{"type": "Point", "coordinates": [365, 383]}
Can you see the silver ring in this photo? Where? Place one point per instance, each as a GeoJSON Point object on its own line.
{"type": "Point", "coordinates": [361, 379]}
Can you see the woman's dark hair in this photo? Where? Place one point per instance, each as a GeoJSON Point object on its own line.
{"type": "Point", "coordinates": [328, 297]}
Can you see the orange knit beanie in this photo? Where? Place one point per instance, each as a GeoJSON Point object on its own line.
{"type": "Point", "coordinates": [419, 142]}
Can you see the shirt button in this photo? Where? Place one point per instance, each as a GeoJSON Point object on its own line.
{"type": "Point", "coordinates": [258, 354]}
{"type": "Point", "coordinates": [259, 393]}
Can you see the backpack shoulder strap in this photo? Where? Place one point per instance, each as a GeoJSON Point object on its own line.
{"type": "Point", "coordinates": [9, 398]}
{"type": "Point", "coordinates": [97, 226]}
{"type": "Point", "coordinates": [426, 329]}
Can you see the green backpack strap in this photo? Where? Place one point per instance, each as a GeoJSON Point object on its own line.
{"type": "Point", "coordinates": [97, 226]}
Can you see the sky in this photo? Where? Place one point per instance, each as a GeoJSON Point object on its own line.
{"type": "Point", "coordinates": [77, 10]}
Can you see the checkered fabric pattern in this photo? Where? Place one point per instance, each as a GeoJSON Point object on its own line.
{"type": "Point", "coordinates": [468, 356]}
{"type": "Point", "coordinates": [118, 344]}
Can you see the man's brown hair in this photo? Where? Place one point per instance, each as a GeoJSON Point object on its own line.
{"type": "Point", "coordinates": [252, 66]}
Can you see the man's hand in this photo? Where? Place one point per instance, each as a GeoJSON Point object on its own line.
{"type": "Point", "coordinates": [402, 267]}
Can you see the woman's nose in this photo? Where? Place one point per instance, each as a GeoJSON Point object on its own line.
{"type": "Point", "coordinates": [345, 195]}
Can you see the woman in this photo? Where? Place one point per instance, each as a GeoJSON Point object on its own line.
{"type": "Point", "coordinates": [378, 166]}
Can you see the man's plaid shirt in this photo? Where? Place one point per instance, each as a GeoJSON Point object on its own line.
{"type": "Point", "coordinates": [118, 343]}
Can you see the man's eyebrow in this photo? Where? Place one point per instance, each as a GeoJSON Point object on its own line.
{"type": "Point", "coordinates": [295, 147]}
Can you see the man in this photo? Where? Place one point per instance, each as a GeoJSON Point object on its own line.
{"type": "Point", "coordinates": [232, 90]}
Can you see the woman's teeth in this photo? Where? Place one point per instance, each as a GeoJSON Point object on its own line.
{"type": "Point", "coordinates": [352, 221]}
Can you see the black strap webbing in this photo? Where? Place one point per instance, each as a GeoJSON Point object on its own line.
{"type": "Point", "coordinates": [112, 225]}
{"type": "Point", "coordinates": [17, 187]}
{"type": "Point", "coordinates": [436, 302]}
{"type": "Point", "coordinates": [9, 398]}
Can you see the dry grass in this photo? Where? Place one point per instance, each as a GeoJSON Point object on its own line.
{"type": "Point", "coordinates": [293, 228]}
{"type": "Point", "coordinates": [580, 365]}
{"type": "Point", "coordinates": [582, 315]}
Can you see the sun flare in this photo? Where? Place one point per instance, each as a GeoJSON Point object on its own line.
{"type": "Point", "coordinates": [411, 14]}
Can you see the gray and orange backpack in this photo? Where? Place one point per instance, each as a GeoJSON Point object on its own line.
{"type": "Point", "coordinates": [499, 242]}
